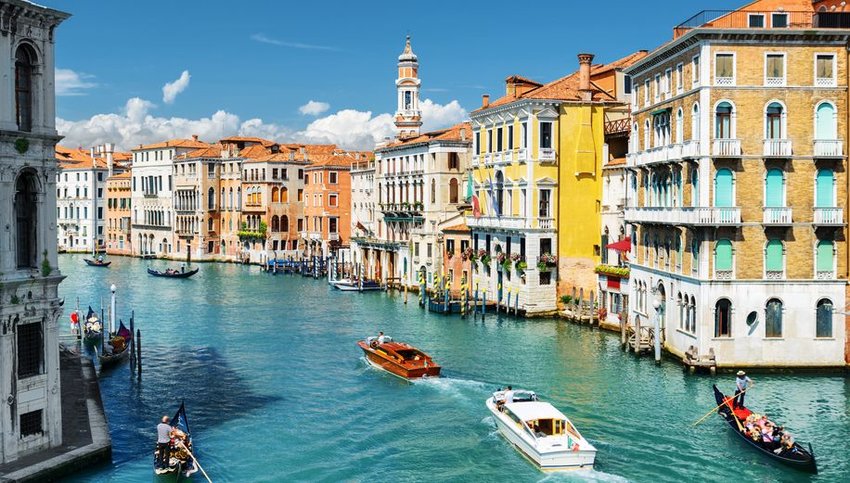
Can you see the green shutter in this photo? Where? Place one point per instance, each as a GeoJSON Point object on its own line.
{"type": "Point", "coordinates": [824, 256]}
{"type": "Point", "coordinates": [723, 255]}
{"type": "Point", "coordinates": [723, 188]}
{"type": "Point", "coordinates": [824, 189]}
{"type": "Point", "coordinates": [773, 189]}
{"type": "Point", "coordinates": [825, 124]}
{"type": "Point", "coordinates": [773, 256]}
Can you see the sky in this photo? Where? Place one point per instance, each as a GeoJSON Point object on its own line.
{"type": "Point", "coordinates": [135, 72]}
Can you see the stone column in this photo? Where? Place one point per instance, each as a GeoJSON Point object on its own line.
{"type": "Point", "coordinates": [8, 440]}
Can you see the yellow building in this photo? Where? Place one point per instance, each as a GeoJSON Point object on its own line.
{"type": "Point", "coordinates": [537, 179]}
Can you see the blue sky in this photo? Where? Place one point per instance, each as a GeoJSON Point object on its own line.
{"type": "Point", "coordinates": [265, 59]}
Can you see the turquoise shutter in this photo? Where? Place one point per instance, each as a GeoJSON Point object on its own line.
{"type": "Point", "coordinates": [824, 256]}
{"type": "Point", "coordinates": [723, 255]}
{"type": "Point", "coordinates": [773, 256]}
{"type": "Point", "coordinates": [824, 189]}
{"type": "Point", "coordinates": [825, 125]}
{"type": "Point", "coordinates": [723, 188]}
{"type": "Point", "coordinates": [773, 189]}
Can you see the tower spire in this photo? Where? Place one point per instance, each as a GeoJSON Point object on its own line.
{"type": "Point", "coordinates": [408, 117]}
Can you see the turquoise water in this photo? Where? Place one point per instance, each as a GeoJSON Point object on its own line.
{"type": "Point", "coordinates": [276, 389]}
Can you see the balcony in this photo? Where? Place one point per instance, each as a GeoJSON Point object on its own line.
{"type": "Point", "coordinates": [333, 236]}
{"type": "Point", "coordinates": [777, 216]}
{"type": "Point", "coordinates": [726, 147]}
{"type": "Point", "coordinates": [774, 81]}
{"type": "Point", "coordinates": [497, 158]}
{"type": "Point", "coordinates": [774, 274]}
{"type": "Point", "coordinates": [498, 222]}
{"type": "Point", "coordinates": [724, 274]}
{"type": "Point", "coordinates": [829, 148]}
{"type": "Point", "coordinates": [690, 149]}
{"type": "Point", "coordinates": [488, 159]}
{"type": "Point", "coordinates": [740, 20]}
{"type": "Point", "coordinates": [545, 223]}
{"type": "Point", "coordinates": [777, 148]}
{"type": "Point", "coordinates": [546, 154]}
{"type": "Point", "coordinates": [522, 155]}
{"type": "Point", "coordinates": [829, 216]}
{"type": "Point", "coordinates": [508, 157]}
{"type": "Point", "coordinates": [825, 82]}
{"type": "Point", "coordinates": [695, 216]}
{"type": "Point", "coordinates": [825, 275]}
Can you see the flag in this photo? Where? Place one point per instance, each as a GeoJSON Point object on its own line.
{"type": "Point", "coordinates": [476, 207]}
{"type": "Point", "coordinates": [494, 207]}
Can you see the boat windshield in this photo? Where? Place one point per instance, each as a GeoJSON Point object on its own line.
{"type": "Point", "coordinates": [410, 355]}
{"type": "Point", "coordinates": [547, 427]}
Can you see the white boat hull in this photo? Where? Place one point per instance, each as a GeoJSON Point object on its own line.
{"type": "Point", "coordinates": [549, 458]}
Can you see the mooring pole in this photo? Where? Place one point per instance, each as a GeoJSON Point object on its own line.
{"type": "Point", "coordinates": [139, 353]}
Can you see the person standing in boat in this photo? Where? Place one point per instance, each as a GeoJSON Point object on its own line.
{"type": "Point", "coordinates": [509, 395]}
{"type": "Point", "coordinates": [742, 383]}
{"type": "Point", "coordinates": [163, 443]}
{"type": "Point", "coordinates": [381, 337]}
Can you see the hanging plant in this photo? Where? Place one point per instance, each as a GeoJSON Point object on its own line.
{"type": "Point", "coordinates": [22, 145]}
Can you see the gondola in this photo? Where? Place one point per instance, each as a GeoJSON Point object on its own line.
{"type": "Point", "coordinates": [180, 461]}
{"type": "Point", "coordinates": [92, 328]}
{"type": "Point", "coordinates": [96, 263]}
{"type": "Point", "coordinates": [120, 343]}
{"type": "Point", "coordinates": [797, 457]}
{"type": "Point", "coordinates": [175, 274]}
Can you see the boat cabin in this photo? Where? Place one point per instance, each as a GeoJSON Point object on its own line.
{"type": "Point", "coordinates": [540, 419]}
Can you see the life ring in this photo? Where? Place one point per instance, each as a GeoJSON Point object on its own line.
{"type": "Point", "coordinates": [575, 447]}
{"type": "Point", "coordinates": [373, 344]}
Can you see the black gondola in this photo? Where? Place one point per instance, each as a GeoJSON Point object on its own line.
{"type": "Point", "coordinates": [174, 274]}
{"type": "Point", "coordinates": [181, 461]}
{"type": "Point", "coordinates": [96, 263]}
{"type": "Point", "coordinates": [797, 457]}
{"type": "Point", "coordinates": [109, 359]}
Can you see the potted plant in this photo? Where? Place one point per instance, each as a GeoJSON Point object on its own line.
{"type": "Point", "coordinates": [545, 261]}
{"type": "Point", "coordinates": [484, 257]}
{"type": "Point", "coordinates": [468, 254]}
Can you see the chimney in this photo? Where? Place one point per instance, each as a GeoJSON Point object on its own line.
{"type": "Point", "coordinates": [584, 61]}
{"type": "Point", "coordinates": [109, 148]}
{"type": "Point", "coordinates": [485, 100]}
{"type": "Point", "coordinates": [291, 155]}
{"type": "Point", "coordinates": [304, 153]}
{"type": "Point", "coordinates": [194, 137]}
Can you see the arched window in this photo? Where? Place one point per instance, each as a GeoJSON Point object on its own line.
{"type": "Point", "coordinates": [635, 140]}
{"type": "Point", "coordinates": [695, 122]}
{"type": "Point", "coordinates": [723, 318]}
{"type": "Point", "coordinates": [825, 256]}
{"type": "Point", "coordinates": [723, 121]}
{"type": "Point", "coordinates": [211, 199]}
{"type": "Point", "coordinates": [433, 191]}
{"type": "Point", "coordinates": [723, 256]}
{"type": "Point", "coordinates": [284, 223]}
{"type": "Point", "coordinates": [275, 224]}
{"type": "Point", "coordinates": [825, 122]}
{"type": "Point", "coordinates": [774, 188]}
{"type": "Point", "coordinates": [723, 195]}
{"type": "Point", "coordinates": [500, 193]}
{"type": "Point", "coordinates": [774, 259]}
{"type": "Point", "coordinates": [25, 61]}
{"type": "Point", "coordinates": [26, 219]}
{"type": "Point", "coordinates": [453, 190]}
{"type": "Point", "coordinates": [825, 189]}
{"type": "Point", "coordinates": [695, 186]}
{"type": "Point", "coordinates": [284, 195]}
{"type": "Point", "coordinates": [823, 326]}
{"type": "Point", "coordinates": [680, 125]}
{"type": "Point", "coordinates": [275, 195]}
{"type": "Point", "coordinates": [210, 224]}
{"type": "Point", "coordinates": [773, 318]}
{"type": "Point", "coordinates": [773, 121]}
{"type": "Point", "coordinates": [681, 304]}
{"type": "Point", "coordinates": [693, 316]}
{"type": "Point", "coordinates": [646, 135]}
{"type": "Point", "coordinates": [221, 200]}
{"type": "Point", "coordinates": [239, 198]}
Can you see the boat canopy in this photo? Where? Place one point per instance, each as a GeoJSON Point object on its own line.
{"type": "Point", "coordinates": [529, 411]}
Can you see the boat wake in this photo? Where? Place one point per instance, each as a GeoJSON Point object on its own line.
{"type": "Point", "coordinates": [460, 388]}
{"type": "Point", "coordinates": [582, 475]}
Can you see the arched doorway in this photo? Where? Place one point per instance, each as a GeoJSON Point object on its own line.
{"type": "Point", "coordinates": [26, 220]}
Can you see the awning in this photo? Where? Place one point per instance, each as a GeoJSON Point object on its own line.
{"type": "Point", "coordinates": [661, 111]}
{"type": "Point", "coordinates": [623, 245]}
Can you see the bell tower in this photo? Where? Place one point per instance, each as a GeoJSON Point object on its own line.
{"type": "Point", "coordinates": [408, 117]}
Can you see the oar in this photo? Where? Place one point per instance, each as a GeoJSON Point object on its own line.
{"type": "Point", "coordinates": [196, 461]}
{"type": "Point", "coordinates": [716, 408]}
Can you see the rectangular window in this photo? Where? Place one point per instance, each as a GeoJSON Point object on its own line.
{"type": "Point", "coordinates": [31, 423]}
{"type": "Point", "coordinates": [429, 248]}
{"type": "Point", "coordinates": [546, 278]}
{"type": "Point", "coordinates": [332, 225]}
{"type": "Point", "coordinates": [333, 200]}
{"type": "Point", "coordinates": [756, 20]}
{"type": "Point", "coordinates": [416, 249]}
{"type": "Point", "coordinates": [724, 69]}
{"type": "Point", "coordinates": [680, 74]}
{"type": "Point", "coordinates": [274, 173]}
{"type": "Point", "coordinates": [825, 70]}
{"type": "Point", "coordinates": [499, 140]}
{"type": "Point", "coordinates": [646, 92]}
{"type": "Point", "coordinates": [627, 84]}
{"type": "Point", "coordinates": [450, 247]}
{"type": "Point", "coordinates": [510, 137]}
{"type": "Point", "coordinates": [543, 211]}
{"type": "Point", "coordinates": [300, 224]}
{"type": "Point", "coordinates": [100, 193]}
{"type": "Point", "coordinates": [696, 75]}
{"type": "Point", "coordinates": [668, 81]}
{"type": "Point", "coordinates": [464, 244]}
{"type": "Point", "coordinates": [490, 141]}
{"type": "Point", "coordinates": [30, 350]}
{"type": "Point", "coordinates": [300, 195]}
{"type": "Point", "coordinates": [99, 212]}
{"type": "Point", "coordinates": [475, 242]}
{"type": "Point", "coordinates": [774, 70]}
{"type": "Point", "coordinates": [657, 86]}
{"type": "Point", "coordinates": [545, 134]}
{"type": "Point", "coordinates": [332, 177]}
{"type": "Point", "coordinates": [779, 20]}
{"type": "Point", "coordinates": [522, 248]}
{"type": "Point", "coordinates": [477, 142]}
{"type": "Point", "coordinates": [523, 140]}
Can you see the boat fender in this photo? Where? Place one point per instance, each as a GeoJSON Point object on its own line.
{"type": "Point", "coordinates": [575, 447]}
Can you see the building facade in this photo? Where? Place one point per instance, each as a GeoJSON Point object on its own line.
{"type": "Point", "coordinates": [327, 204]}
{"type": "Point", "coordinates": [737, 186]}
{"type": "Point", "coordinates": [30, 415]}
{"type": "Point", "coordinates": [119, 211]}
{"type": "Point", "coordinates": [153, 193]}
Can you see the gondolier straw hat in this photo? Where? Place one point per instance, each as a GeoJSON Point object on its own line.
{"type": "Point", "coordinates": [742, 373]}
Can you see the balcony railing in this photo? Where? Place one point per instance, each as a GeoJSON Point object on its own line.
{"type": "Point", "coordinates": [522, 155]}
{"type": "Point", "coordinates": [545, 223]}
{"type": "Point", "coordinates": [333, 236]}
{"type": "Point", "coordinates": [774, 81]}
{"type": "Point", "coordinates": [742, 19]}
{"type": "Point", "coordinates": [829, 148]}
{"type": "Point", "coordinates": [777, 147]}
{"type": "Point", "coordinates": [726, 147]}
{"type": "Point", "coordinates": [508, 156]}
{"type": "Point", "coordinates": [547, 154]}
{"type": "Point", "coordinates": [825, 82]}
{"type": "Point", "coordinates": [488, 158]}
{"type": "Point", "coordinates": [724, 274]}
{"type": "Point", "coordinates": [825, 275]}
{"type": "Point", "coordinates": [724, 81]}
{"type": "Point", "coordinates": [777, 215]}
{"type": "Point", "coordinates": [497, 157]}
{"type": "Point", "coordinates": [697, 216]}
{"type": "Point", "coordinates": [690, 148]}
{"type": "Point", "coordinates": [774, 274]}
{"type": "Point", "coordinates": [510, 222]}
{"type": "Point", "coordinates": [829, 216]}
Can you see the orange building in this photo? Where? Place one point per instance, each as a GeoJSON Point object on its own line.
{"type": "Point", "coordinates": [118, 213]}
{"type": "Point", "coordinates": [457, 266]}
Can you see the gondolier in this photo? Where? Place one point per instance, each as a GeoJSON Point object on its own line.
{"type": "Point", "coordinates": [742, 383]}
{"type": "Point", "coordinates": [163, 443]}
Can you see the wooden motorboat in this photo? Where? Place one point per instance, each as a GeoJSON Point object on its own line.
{"type": "Point", "coordinates": [181, 461]}
{"type": "Point", "coordinates": [540, 431]}
{"type": "Point", "coordinates": [120, 347]}
{"type": "Point", "coordinates": [96, 263]}
{"type": "Point", "coordinates": [735, 416]}
{"type": "Point", "coordinates": [398, 358]}
{"type": "Point", "coordinates": [173, 273]}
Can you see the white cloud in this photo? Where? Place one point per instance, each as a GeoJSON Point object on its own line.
{"type": "Point", "coordinates": [264, 39]}
{"type": "Point", "coordinates": [314, 108]}
{"type": "Point", "coordinates": [348, 128]}
{"type": "Point", "coordinates": [70, 83]}
{"type": "Point", "coordinates": [171, 89]}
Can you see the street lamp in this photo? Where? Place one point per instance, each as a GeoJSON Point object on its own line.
{"type": "Point", "coordinates": [112, 310]}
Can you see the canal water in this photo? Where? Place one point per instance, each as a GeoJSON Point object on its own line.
{"type": "Point", "coordinates": [277, 390]}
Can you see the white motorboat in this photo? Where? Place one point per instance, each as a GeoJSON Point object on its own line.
{"type": "Point", "coordinates": [541, 432]}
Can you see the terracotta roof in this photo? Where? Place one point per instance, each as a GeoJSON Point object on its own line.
{"type": "Point", "coordinates": [462, 228]}
{"type": "Point", "coordinates": [213, 151]}
{"type": "Point", "coordinates": [122, 175]}
{"type": "Point", "coordinates": [277, 158]}
{"type": "Point", "coordinates": [173, 143]}
{"type": "Point", "coordinates": [247, 139]}
{"type": "Point", "coordinates": [254, 151]}
{"type": "Point", "coordinates": [331, 161]}
{"type": "Point", "coordinates": [567, 88]}
{"type": "Point", "coordinates": [452, 133]}
{"type": "Point", "coordinates": [525, 80]}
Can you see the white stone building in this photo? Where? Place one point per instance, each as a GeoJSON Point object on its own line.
{"type": "Point", "coordinates": [30, 412]}
{"type": "Point", "coordinates": [152, 195]}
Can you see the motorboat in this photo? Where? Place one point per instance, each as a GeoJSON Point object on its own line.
{"type": "Point", "coordinates": [398, 358]}
{"type": "Point", "coordinates": [357, 286]}
{"type": "Point", "coordinates": [540, 431]}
